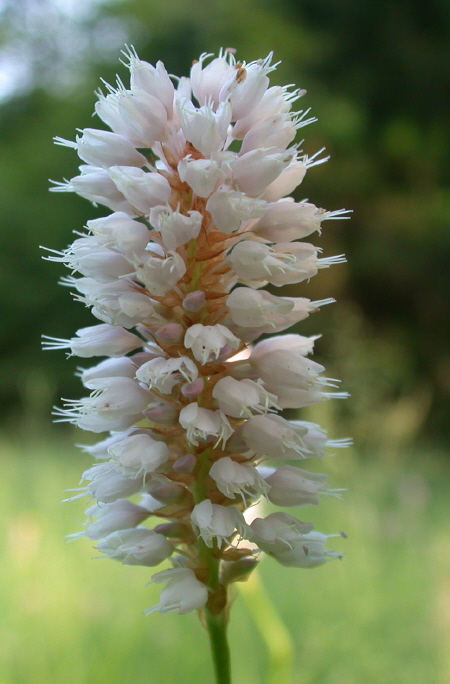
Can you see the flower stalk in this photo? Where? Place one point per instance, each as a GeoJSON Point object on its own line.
{"type": "Point", "coordinates": [197, 172]}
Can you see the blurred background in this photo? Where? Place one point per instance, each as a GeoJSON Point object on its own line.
{"type": "Point", "coordinates": [377, 76]}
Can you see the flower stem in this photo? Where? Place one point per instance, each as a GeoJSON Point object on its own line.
{"type": "Point", "coordinates": [217, 626]}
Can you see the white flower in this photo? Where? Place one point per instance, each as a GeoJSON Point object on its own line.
{"type": "Point", "coordinates": [292, 486]}
{"type": "Point", "coordinates": [246, 87]}
{"type": "Point", "coordinates": [243, 398]}
{"type": "Point", "coordinates": [176, 229]}
{"type": "Point", "coordinates": [139, 454]}
{"type": "Point", "coordinates": [228, 208]}
{"type": "Point", "coordinates": [95, 184]}
{"type": "Point", "coordinates": [159, 272]}
{"type": "Point", "coordinates": [207, 81]}
{"type": "Point", "coordinates": [118, 232]}
{"type": "Point", "coordinates": [107, 485]}
{"type": "Point", "coordinates": [116, 303]}
{"type": "Point", "coordinates": [237, 478]}
{"type": "Point", "coordinates": [274, 436]}
{"type": "Point", "coordinates": [286, 181]}
{"type": "Point", "coordinates": [203, 425]}
{"type": "Point", "coordinates": [119, 515]}
{"type": "Point", "coordinates": [109, 368]}
{"type": "Point", "coordinates": [93, 260]}
{"type": "Point", "coordinates": [205, 128]}
{"type": "Point", "coordinates": [153, 80]}
{"type": "Point", "coordinates": [97, 340]}
{"type": "Point", "coordinates": [254, 171]}
{"type": "Point", "coordinates": [102, 148]}
{"type": "Point", "coordinates": [280, 264]}
{"type": "Point", "coordinates": [277, 131]}
{"type": "Point", "coordinates": [183, 593]}
{"type": "Point", "coordinates": [277, 531]}
{"type": "Point", "coordinates": [143, 190]}
{"type": "Point", "coordinates": [316, 438]}
{"type": "Point", "coordinates": [203, 175]}
{"type": "Point", "coordinates": [164, 374]}
{"type": "Point", "coordinates": [196, 177]}
{"type": "Point", "coordinates": [218, 522]}
{"type": "Point", "coordinates": [136, 115]}
{"type": "Point", "coordinates": [138, 546]}
{"type": "Point", "coordinates": [207, 341]}
{"type": "Point", "coordinates": [285, 221]}
{"type": "Point", "coordinates": [253, 309]}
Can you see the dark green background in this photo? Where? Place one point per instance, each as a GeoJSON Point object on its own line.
{"type": "Point", "coordinates": [377, 75]}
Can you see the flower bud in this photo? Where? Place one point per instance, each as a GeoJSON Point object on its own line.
{"type": "Point", "coordinates": [194, 301]}
{"type": "Point", "coordinates": [237, 571]}
{"type": "Point", "coordinates": [185, 464]}
{"type": "Point", "coordinates": [193, 389]}
{"type": "Point", "coordinates": [166, 492]}
{"type": "Point", "coordinates": [170, 333]}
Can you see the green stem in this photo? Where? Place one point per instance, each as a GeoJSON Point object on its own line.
{"type": "Point", "coordinates": [216, 612]}
{"type": "Point", "coordinates": [217, 626]}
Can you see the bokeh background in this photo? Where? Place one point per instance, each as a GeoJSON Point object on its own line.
{"type": "Point", "coordinates": [378, 77]}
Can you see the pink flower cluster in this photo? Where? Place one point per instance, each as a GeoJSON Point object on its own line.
{"type": "Point", "coordinates": [196, 172]}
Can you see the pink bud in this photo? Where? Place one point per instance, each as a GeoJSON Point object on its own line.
{"type": "Point", "coordinates": [193, 389]}
{"type": "Point", "coordinates": [161, 414]}
{"type": "Point", "coordinates": [185, 464]}
{"type": "Point", "coordinates": [166, 492]}
{"type": "Point", "coordinates": [194, 301]}
{"type": "Point", "coordinates": [170, 332]}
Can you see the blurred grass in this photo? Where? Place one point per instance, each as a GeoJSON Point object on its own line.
{"type": "Point", "coordinates": [380, 615]}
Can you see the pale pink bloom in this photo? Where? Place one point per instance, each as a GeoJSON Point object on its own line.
{"type": "Point", "coordinates": [203, 425]}
{"type": "Point", "coordinates": [207, 341]}
{"type": "Point", "coordinates": [153, 80]}
{"type": "Point", "coordinates": [138, 546]}
{"type": "Point", "coordinates": [207, 81]}
{"type": "Point", "coordinates": [243, 398]}
{"type": "Point", "coordinates": [143, 190]}
{"type": "Point", "coordinates": [159, 271]}
{"type": "Point", "coordinates": [176, 229]}
{"type": "Point", "coordinates": [274, 436]}
{"type": "Point", "coordinates": [286, 181]}
{"type": "Point", "coordinates": [182, 594]}
{"type": "Point", "coordinates": [237, 478]}
{"type": "Point", "coordinates": [105, 149]}
{"type": "Point", "coordinates": [254, 171]}
{"type": "Point", "coordinates": [202, 175]}
{"type": "Point", "coordinates": [97, 340]}
{"type": "Point", "coordinates": [139, 454]}
{"type": "Point", "coordinates": [228, 208]}
{"type": "Point", "coordinates": [134, 114]}
{"type": "Point", "coordinates": [95, 184]}
{"type": "Point", "coordinates": [119, 515]}
{"type": "Point", "coordinates": [218, 522]}
{"type": "Point", "coordinates": [118, 232]}
{"type": "Point", "coordinates": [292, 486]}
{"type": "Point", "coordinates": [205, 128]}
{"type": "Point", "coordinates": [164, 374]}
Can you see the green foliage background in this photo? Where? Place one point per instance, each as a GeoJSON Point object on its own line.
{"type": "Point", "coordinates": [377, 76]}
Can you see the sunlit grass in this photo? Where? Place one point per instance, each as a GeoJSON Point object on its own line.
{"type": "Point", "coordinates": [382, 615]}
